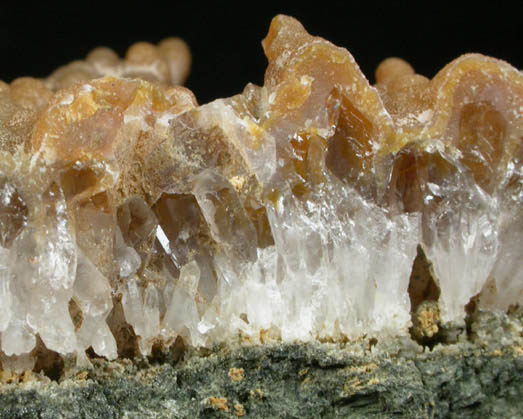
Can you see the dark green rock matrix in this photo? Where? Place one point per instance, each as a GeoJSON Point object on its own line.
{"type": "Point", "coordinates": [480, 375]}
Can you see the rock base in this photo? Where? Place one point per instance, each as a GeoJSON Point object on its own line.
{"type": "Point", "coordinates": [480, 375]}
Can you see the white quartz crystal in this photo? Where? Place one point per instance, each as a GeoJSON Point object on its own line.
{"type": "Point", "coordinates": [5, 294]}
{"type": "Point", "coordinates": [141, 309]}
{"type": "Point", "coordinates": [506, 285]}
{"type": "Point", "coordinates": [126, 257]}
{"type": "Point", "coordinates": [460, 238]}
{"type": "Point", "coordinates": [92, 293]}
{"type": "Point", "coordinates": [181, 318]}
{"type": "Point", "coordinates": [42, 269]}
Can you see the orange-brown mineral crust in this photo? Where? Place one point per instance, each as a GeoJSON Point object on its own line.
{"type": "Point", "coordinates": [473, 105]}
{"type": "Point", "coordinates": [123, 196]}
{"type": "Point", "coordinates": [167, 63]}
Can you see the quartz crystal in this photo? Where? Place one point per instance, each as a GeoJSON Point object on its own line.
{"type": "Point", "coordinates": [131, 217]}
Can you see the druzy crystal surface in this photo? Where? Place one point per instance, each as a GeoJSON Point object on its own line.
{"type": "Point", "coordinates": [292, 211]}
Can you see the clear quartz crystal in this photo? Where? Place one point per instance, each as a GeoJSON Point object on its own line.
{"type": "Point", "coordinates": [93, 295]}
{"type": "Point", "coordinates": [151, 315]}
{"type": "Point", "coordinates": [5, 294]}
{"type": "Point", "coordinates": [342, 261]}
{"type": "Point", "coordinates": [226, 216]}
{"type": "Point", "coordinates": [141, 309]}
{"type": "Point", "coordinates": [460, 238]}
{"type": "Point", "coordinates": [18, 338]}
{"type": "Point", "coordinates": [507, 274]}
{"type": "Point", "coordinates": [182, 316]}
{"type": "Point", "coordinates": [42, 267]}
{"type": "Point", "coordinates": [127, 258]}
{"type": "Point", "coordinates": [508, 270]}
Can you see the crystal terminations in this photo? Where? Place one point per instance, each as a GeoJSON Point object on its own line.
{"type": "Point", "coordinates": [294, 211]}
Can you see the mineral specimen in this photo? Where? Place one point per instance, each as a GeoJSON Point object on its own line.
{"type": "Point", "coordinates": [293, 211]}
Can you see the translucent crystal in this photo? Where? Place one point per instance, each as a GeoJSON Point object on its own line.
{"type": "Point", "coordinates": [506, 285]}
{"type": "Point", "coordinates": [42, 267]}
{"type": "Point", "coordinates": [459, 223]}
{"type": "Point", "coordinates": [5, 294]}
{"type": "Point", "coordinates": [13, 212]}
{"type": "Point", "coordinates": [18, 338]}
{"type": "Point", "coordinates": [92, 293]}
{"type": "Point", "coordinates": [126, 257]}
{"type": "Point", "coordinates": [333, 254]}
{"type": "Point", "coordinates": [151, 313]}
{"type": "Point", "coordinates": [141, 309]}
{"type": "Point", "coordinates": [17, 364]}
{"type": "Point", "coordinates": [225, 215]}
{"type": "Point", "coordinates": [461, 242]}
{"type": "Point", "coordinates": [182, 316]}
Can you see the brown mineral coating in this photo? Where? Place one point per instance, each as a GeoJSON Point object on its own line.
{"type": "Point", "coordinates": [176, 54]}
{"type": "Point", "coordinates": [103, 56]}
{"type": "Point", "coordinates": [166, 64]}
{"type": "Point", "coordinates": [28, 106]}
{"type": "Point", "coordinates": [21, 103]}
{"type": "Point", "coordinates": [403, 92]}
{"type": "Point", "coordinates": [30, 93]}
{"type": "Point", "coordinates": [392, 68]}
{"type": "Point", "coordinates": [473, 106]}
{"type": "Point", "coordinates": [480, 103]}
{"type": "Point", "coordinates": [305, 71]}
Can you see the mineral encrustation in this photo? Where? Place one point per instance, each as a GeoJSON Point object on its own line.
{"type": "Point", "coordinates": [295, 211]}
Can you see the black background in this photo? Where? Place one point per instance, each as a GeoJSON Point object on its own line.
{"type": "Point", "coordinates": [225, 38]}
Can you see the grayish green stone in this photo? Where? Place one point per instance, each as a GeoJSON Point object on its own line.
{"type": "Point", "coordinates": [480, 376]}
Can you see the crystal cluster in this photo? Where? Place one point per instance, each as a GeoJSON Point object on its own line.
{"type": "Point", "coordinates": [292, 211]}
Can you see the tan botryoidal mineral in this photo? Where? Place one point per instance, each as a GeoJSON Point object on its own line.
{"type": "Point", "coordinates": [292, 211]}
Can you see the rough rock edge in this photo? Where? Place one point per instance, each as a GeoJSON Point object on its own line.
{"type": "Point", "coordinates": [479, 376]}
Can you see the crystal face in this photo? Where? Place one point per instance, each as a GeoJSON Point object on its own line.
{"type": "Point", "coordinates": [292, 211]}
